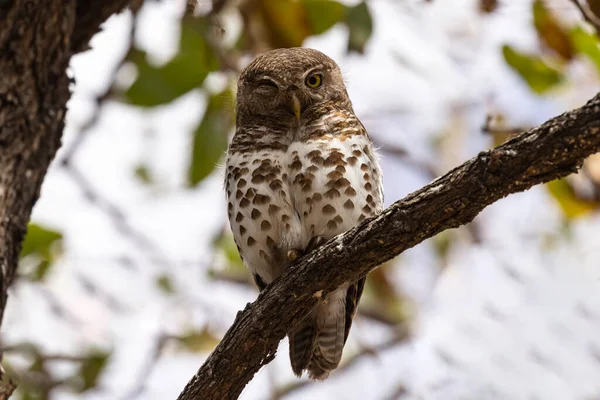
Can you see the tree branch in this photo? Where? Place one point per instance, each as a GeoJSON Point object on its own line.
{"type": "Point", "coordinates": [91, 14]}
{"type": "Point", "coordinates": [37, 42]}
{"type": "Point", "coordinates": [587, 15]}
{"type": "Point", "coordinates": [550, 151]}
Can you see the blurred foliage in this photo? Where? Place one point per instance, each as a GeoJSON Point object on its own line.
{"type": "Point", "coordinates": [267, 24]}
{"type": "Point", "coordinates": [572, 204]}
{"type": "Point", "coordinates": [286, 23]}
{"type": "Point", "coordinates": [39, 380]}
{"type": "Point", "coordinates": [229, 266]}
{"type": "Point", "coordinates": [43, 246]}
{"type": "Point", "coordinates": [537, 73]}
{"type": "Point", "coordinates": [586, 44]}
{"type": "Point", "coordinates": [545, 71]}
{"type": "Point", "coordinates": [224, 243]}
{"type": "Point", "coordinates": [210, 138]}
{"type": "Point", "coordinates": [360, 24]}
{"type": "Point", "coordinates": [197, 341]}
{"type": "Point", "coordinates": [442, 243]}
{"type": "Point", "coordinates": [550, 31]}
{"type": "Point", "coordinates": [187, 70]}
{"type": "Point", "coordinates": [488, 6]}
{"type": "Point", "coordinates": [381, 298]}
{"type": "Point", "coordinates": [90, 369]}
{"type": "Point", "coordinates": [165, 284]}
{"type": "Point", "coordinates": [142, 172]}
{"type": "Point", "coordinates": [290, 22]}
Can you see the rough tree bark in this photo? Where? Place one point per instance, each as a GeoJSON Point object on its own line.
{"type": "Point", "coordinates": [550, 151]}
{"type": "Point", "coordinates": [37, 40]}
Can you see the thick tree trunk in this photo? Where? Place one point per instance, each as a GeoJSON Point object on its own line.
{"type": "Point", "coordinates": [37, 40]}
{"type": "Point", "coordinates": [34, 89]}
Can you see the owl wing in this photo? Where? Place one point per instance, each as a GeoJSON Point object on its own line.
{"type": "Point", "coordinates": [353, 295]}
{"type": "Point", "coordinates": [260, 212]}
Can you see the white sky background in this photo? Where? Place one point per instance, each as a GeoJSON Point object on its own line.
{"type": "Point", "coordinates": [514, 317]}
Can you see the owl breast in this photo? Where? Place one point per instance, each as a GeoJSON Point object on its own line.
{"type": "Point", "coordinates": [281, 198]}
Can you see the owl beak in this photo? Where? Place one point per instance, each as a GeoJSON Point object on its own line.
{"type": "Point", "coordinates": [296, 107]}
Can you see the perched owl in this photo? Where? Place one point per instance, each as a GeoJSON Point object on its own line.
{"type": "Point", "coordinates": [300, 170]}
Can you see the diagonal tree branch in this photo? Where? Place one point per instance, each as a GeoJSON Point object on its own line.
{"type": "Point", "coordinates": [550, 151]}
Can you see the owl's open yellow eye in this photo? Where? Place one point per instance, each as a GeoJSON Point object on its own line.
{"type": "Point", "coordinates": [314, 81]}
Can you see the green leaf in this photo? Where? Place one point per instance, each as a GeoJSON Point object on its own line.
{"type": "Point", "coordinates": [323, 14]}
{"type": "Point", "coordinates": [226, 244]}
{"type": "Point", "coordinates": [586, 43]}
{"type": "Point", "coordinates": [165, 284]}
{"type": "Point", "coordinates": [442, 244]}
{"type": "Point", "coordinates": [40, 242]}
{"type": "Point", "coordinates": [381, 298]}
{"type": "Point", "coordinates": [91, 369]}
{"type": "Point", "coordinates": [198, 341]}
{"type": "Point", "coordinates": [187, 70]}
{"type": "Point", "coordinates": [550, 32]}
{"type": "Point", "coordinates": [210, 138]}
{"type": "Point", "coordinates": [539, 76]}
{"type": "Point", "coordinates": [33, 394]}
{"type": "Point", "coordinates": [143, 174]}
{"type": "Point", "coordinates": [285, 22]}
{"type": "Point", "coordinates": [360, 24]}
{"type": "Point", "coordinates": [566, 197]}
{"type": "Point", "coordinates": [41, 270]}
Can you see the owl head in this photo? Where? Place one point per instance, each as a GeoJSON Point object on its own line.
{"type": "Point", "coordinates": [290, 85]}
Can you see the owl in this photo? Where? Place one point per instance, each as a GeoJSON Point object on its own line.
{"type": "Point", "coordinates": [300, 170]}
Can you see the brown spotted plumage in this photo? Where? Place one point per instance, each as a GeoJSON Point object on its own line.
{"type": "Point", "coordinates": [301, 169]}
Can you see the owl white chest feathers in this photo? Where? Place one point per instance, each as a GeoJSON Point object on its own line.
{"type": "Point", "coordinates": [291, 196]}
{"type": "Point", "coordinates": [279, 199]}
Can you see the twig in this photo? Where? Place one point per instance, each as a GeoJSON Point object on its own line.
{"type": "Point", "coordinates": [551, 151]}
{"type": "Point", "coordinates": [115, 214]}
{"type": "Point", "coordinates": [588, 16]}
{"type": "Point", "coordinates": [401, 154]}
{"type": "Point", "coordinates": [94, 290]}
{"type": "Point", "coordinates": [148, 367]}
{"type": "Point", "coordinates": [228, 58]}
{"type": "Point", "coordinates": [117, 217]}
{"type": "Point", "coordinates": [7, 385]}
{"type": "Point", "coordinates": [90, 16]}
{"type": "Point", "coordinates": [99, 100]}
{"type": "Point", "coordinates": [32, 350]}
{"type": "Point", "coordinates": [398, 392]}
{"type": "Point", "coordinates": [58, 308]}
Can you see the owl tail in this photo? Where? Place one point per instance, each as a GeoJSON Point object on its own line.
{"type": "Point", "coordinates": [317, 344]}
{"type": "Point", "coordinates": [302, 340]}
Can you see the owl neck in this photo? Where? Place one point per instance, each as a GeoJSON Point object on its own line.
{"type": "Point", "coordinates": [279, 131]}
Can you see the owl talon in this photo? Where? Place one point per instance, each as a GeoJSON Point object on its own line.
{"type": "Point", "coordinates": [293, 255]}
{"type": "Point", "coordinates": [314, 243]}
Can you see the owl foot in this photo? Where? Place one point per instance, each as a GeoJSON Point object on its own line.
{"type": "Point", "coordinates": [314, 243]}
{"type": "Point", "coordinates": [293, 255]}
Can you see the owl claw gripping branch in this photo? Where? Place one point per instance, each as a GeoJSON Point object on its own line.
{"type": "Point", "coordinates": [300, 170]}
